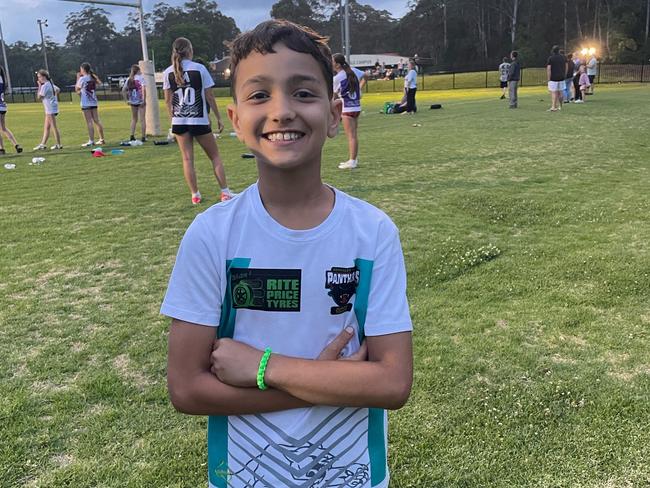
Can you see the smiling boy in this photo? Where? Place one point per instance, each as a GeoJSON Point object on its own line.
{"type": "Point", "coordinates": [306, 289]}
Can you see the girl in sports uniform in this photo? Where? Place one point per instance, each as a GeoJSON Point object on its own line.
{"type": "Point", "coordinates": [348, 83]}
{"type": "Point", "coordinates": [47, 92]}
{"type": "Point", "coordinates": [87, 81]}
{"type": "Point", "coordinates": [188, 96]}
{"type": "Point", "coordinates": [134, 94]}
{"type": "Point", "coordinates": [3, 112]}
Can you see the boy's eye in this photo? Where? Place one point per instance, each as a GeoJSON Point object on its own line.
{"type": "Point", "coordinates": [304, 94]}
{"type": "Point", "coordinates": [258, 96]}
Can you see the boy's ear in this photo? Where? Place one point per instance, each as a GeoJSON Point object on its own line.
{"type": "Point", "coordinates": [234, 119]}
{"type": "Point", "coordinates": [336, 106]}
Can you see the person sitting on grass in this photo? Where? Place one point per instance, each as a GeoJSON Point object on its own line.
{"type": "Point", "coordinates": [296, 373]}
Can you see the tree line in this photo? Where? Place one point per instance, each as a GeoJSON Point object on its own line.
{"type": "Point", "coordinates": [446, 34]}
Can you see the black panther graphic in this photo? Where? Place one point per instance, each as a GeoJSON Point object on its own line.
{"type": "Point", "coordinates": [342, 284]}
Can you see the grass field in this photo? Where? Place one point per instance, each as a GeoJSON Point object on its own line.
{"type": "Point", "coordinates": [526, 236]}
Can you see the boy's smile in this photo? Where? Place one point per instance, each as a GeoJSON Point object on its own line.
{"type": "Point", "coordinates": [283, 111]}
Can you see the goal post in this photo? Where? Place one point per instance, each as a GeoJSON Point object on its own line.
{"type": "Point", "coordinates": [146, 66]}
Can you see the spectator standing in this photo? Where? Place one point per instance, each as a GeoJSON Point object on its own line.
{"type": "Point", "coordinates": [514, 75]}
{"type": "Point", "coordinates": [585, 82]}
{"type": "Point", "coordinates": [556, 68]}
{"type": "Point", "coordinates": [411, 86]}
{"type": "Point", "coordinates": [504, 69]}
{"type": "Point", "coordinates": [568, 81]}
{"type": "Point", "coordinates": [592, 71]}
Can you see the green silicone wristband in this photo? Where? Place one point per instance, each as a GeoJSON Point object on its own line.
{"type": "Point", "coordinates": [262, 369]}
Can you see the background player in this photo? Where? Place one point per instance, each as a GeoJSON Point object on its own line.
{"type": "Point", "coordinates": [134, 91]}
{"type": "Point", "coordinates": [47, 92]}
{"type": "Point", "coordinates": [348, 83]}
{"type": "Point", "coordinates": [188, 96]}
{"type": "Point", "coordinates": [86, 87]}
{"type": "Point", "coordinates": [3, 112]}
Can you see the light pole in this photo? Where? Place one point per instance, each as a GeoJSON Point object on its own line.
{"type": "Point", "coordinates": [42, 23]}
{"type": "Point", "coordinates": [146, 66]}
{"type": "Point", "coordinates": [4, 56]}
{"type": "Point", "coordinates": [347, 30]}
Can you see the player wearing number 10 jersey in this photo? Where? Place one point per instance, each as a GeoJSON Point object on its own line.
{"type": "Point", "coordinates": [188, 96]}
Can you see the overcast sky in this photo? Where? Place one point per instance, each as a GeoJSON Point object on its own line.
{"type": "Point", "coordinates": [18, 17]}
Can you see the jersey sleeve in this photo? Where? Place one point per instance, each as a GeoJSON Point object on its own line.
{"type": "Point", "coordinates": [388, 310]}
{"type": "Point", "coordinates": [166, 85]}
{"type": "Point", "coordinates": [194, 290]}
{"type": "Point", "coordinates": [206, 79]}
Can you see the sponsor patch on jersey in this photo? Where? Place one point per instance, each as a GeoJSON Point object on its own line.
{"type": "Point", "coordinates": [342, 285]}
{"type": "Point", "coordinates": [269, 290]}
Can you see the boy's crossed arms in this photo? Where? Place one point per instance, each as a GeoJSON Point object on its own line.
{"type": "Point", "coordinates": [218, 377]}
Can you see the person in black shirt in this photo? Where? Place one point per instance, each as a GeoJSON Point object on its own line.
{"type": "Point", "coordinates": [514, 75]}
{"type": "Point", "coordinates": [556, 69]}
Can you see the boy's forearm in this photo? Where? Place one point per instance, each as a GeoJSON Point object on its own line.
{"type": "Point", "coordinates": [206, 395]}
{"type": "Point", "coordinates": [343, 383]}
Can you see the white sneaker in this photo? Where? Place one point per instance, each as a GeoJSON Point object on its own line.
{"type": "Point", "coordinates": [101, 142]}
{"type": "Point", "coordinates": [349, 164]}
{"type": "Point", "coordinates": [40, 147]}
{"type": "Point", "coordinates": [56, 146]}
{"type": "Point", "coordinates": [579, 101]}
{"type": "Point", "coordinates": [88, 144]}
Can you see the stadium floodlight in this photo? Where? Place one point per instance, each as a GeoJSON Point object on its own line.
{"type": "Point", "coordinates": [4, 56]}
{"type": "Point", "coordinates": [146, 66]}
{"type": "Point", "coordinates": [42, 23]}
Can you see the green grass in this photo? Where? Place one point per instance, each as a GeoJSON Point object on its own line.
{"type": "Point", "coordinates": [526, 236]}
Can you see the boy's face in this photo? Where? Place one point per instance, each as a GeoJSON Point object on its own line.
{"type": "Point", "coordinates": [283, 111]}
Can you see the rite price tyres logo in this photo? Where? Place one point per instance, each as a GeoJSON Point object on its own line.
{"type": "Point", "coordinates": [269, 290]}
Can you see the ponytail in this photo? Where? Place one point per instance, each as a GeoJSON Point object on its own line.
{"type": "Point", "coordinates": [135, 69]}
{"type": "Point", "coordinates": [4, 80]}
{"type": "Point", "coordinates": [86, 67]}
{"type": "Point", "coordinates": [353, 81]}
{"type": "Point", "coordinates": [181, 49]}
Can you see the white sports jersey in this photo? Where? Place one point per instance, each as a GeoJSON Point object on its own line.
{"type": "Point", "coordinates": [48, 92]}
{"type": "Point", "coordinates": [88, 92]}
{"type": "Point", "coordinates": [189, 106]}
{"type": "Point", "coordinates": [260, 283]}
{"type": "Point", "coordinates": [351, 100]}
{"type": "Point", "coordinates": [504, 69]}
{"type": "Point", "coordinates": [135, 91]}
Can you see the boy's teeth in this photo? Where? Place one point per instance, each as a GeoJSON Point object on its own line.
{"type": "Point", "coordinates": [283, 136]}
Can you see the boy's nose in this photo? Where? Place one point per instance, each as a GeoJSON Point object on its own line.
{"type": "Point", "coordinates": [282, 110]}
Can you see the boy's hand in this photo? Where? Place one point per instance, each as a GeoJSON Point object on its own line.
{"type": "Point", "coordinates": [235, 363]}
{"type": "Point", "coordinates": [332, 351]}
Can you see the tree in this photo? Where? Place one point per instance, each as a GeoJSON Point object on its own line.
{"type": "Point", "coordinates": [304, 12]}
{"type": "Point", "coordinates": [93, 33]}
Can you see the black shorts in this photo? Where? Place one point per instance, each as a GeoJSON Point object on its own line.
{"type": "Point", "coordinates": [2, 112]}
{"type": "Point", "coordinates": [504, 84]}
{"type": "Point", "coordinates": [88, 108]}
{"type": "Point", "coordinates": [591, 78]}
{"type": "Point", "coordinates": [136, 105]}
{"type": "Point", "coordinates": [194, 130]}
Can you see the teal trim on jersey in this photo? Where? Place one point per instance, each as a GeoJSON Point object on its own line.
{"type": "Point", "coordinates": [363, 291]}
{"type": "Point", "coordinates": [376, 416]}
{"type": "Point", "coordinates": [229, 314]}
{"type": "Point", "coordinates": [218, 424]}
{"type": "Point", "coordinates": [377, 445]}
{"type": "Point", "coordinates": [218, 450]}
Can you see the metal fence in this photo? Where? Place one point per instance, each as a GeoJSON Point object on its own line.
{"type": "Point", "coordinates": [445, 80]}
